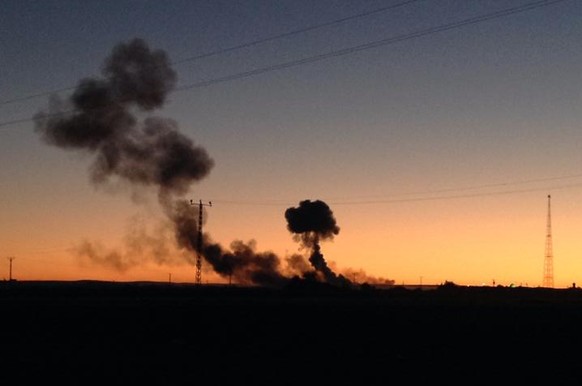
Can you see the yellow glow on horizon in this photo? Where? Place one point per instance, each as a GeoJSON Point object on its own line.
{"type": "Point", "coordinates": [465, 241]}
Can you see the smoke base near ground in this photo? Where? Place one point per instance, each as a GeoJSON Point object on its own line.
{"type": "Point", "coordinates": [101, 119]}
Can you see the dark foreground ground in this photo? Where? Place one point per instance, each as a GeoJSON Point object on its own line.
{"type": "Point", "coordinates": [146, 333]}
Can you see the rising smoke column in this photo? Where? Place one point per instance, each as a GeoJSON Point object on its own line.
{"type": "Point", "coordinates": [100, 119]}
{"type": "Point", "coordinates": [311, 222]}
{"type": "Point", "coordinates": [241, 263]}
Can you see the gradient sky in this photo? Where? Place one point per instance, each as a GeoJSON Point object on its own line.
{"type": "Point", "coordinates": [436, 154]}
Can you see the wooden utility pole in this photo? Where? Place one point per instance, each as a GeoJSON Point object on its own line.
{"type": "Point", "coordinates": [10, 259]}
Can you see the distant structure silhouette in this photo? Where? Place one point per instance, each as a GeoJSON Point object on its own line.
{"type": "Point", "coordinates": [10, 276]}
{"type": "Point", "coordinates": [549, 254]}
{"type": "Point", "coordinates": [199, 243]}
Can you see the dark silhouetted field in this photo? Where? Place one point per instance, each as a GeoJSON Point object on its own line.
{"type": "Point", "coordinates": [131, 333]}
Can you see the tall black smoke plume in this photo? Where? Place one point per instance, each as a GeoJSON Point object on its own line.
{"type": "Point", "coordinates": [100, 119]}
{"type": "Point", "coordinates": [311, 222]}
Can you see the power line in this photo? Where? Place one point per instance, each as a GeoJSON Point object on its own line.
{"type": "Point", "coordinates": [405, 200]}
{"type": "Point", "coordinates": [23, 120]}
{"type": "Point", "coordinates": [237, 47]}
{"type": "Point", "coordinates": [16, 121]}
{"type": "Point", "coordinates": [296, 32]}
{"type": "Point", "coordinates": [353, 49]}
{"type": "Point", "coordinates": [374, 44]}
{"type": "Point", "coordinates": [457, 196]}
{"type": "Point", "coordinates": [475, 187]}
{"type": "Point", "coordinates": [428, 195]}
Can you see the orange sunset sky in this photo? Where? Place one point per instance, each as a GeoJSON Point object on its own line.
{"type": "Point", "coordinates": [436, 153]}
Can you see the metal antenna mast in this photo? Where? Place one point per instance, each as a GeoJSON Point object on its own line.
{"type": "Point", "coordinates": [199, 241]}
{"type": "Point", "coordinates": [549, 255]}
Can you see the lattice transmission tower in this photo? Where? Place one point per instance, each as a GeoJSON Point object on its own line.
{"type": "Point", "coordinates": [199, 240]}
{"type": "Point", "coordinates": [549, 254]}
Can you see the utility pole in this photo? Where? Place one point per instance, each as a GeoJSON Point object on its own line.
{"type": "Point", "coordinates": [10, 259]}
{"type": "Point", "coordinates": [199, 243]}
{"type": "Point", "coordinates": [549, 255]}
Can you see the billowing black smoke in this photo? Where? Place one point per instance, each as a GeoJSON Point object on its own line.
{"type": "Point", "coordinates": [245, 265]}
{"type": "Point", "coordinates": [183, 218]}
{"type": "Point", "coordinates": [100, 119]}
{"type": "Point", "coordinates": [241, 263]}
{"type": "Point", "coordinates": [311, 222]}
